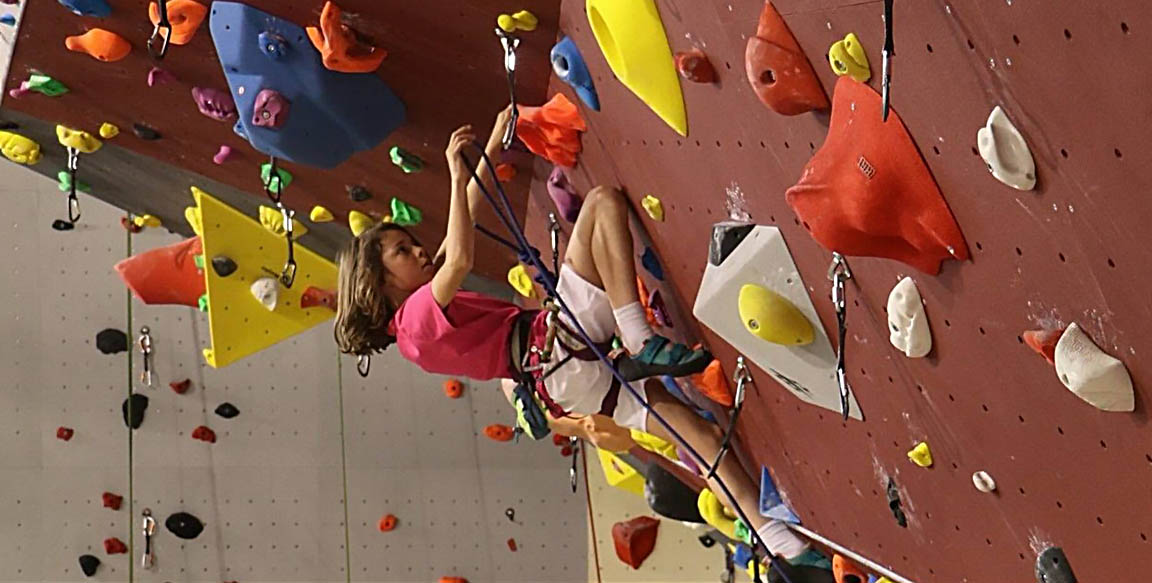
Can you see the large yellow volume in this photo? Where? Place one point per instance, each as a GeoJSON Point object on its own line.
{"type": "Point", "coordinates": [769, 315]}
{"type": "Point", "coordinates": [631, 36]}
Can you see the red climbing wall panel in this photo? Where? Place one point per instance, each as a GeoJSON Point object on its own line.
{"type": "Point", "coordinates": [1074, 79]}
{"type": "Point", "coordinates": [443, 61]}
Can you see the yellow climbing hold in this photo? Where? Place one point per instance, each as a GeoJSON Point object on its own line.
{"type": "Point", "coordinates": [520, 280]}
{"type": "Point", "coordinates": [654, 207]}
{"type": "Point", "coordinates": [847, 57]}
{"type": "Point", "coordinates": [715, 514]}
{"type": "Point", "coordinates": [654, 444]}
{"type": "Point", "coordinates": [359, 222]}
{"type": "Point", "coordinates": [921, 455]}
{"type": "Point", "coordinates": [77, 139]}
{"type": "Point", "coordinates": [273, 220]}
{"type": "Point", "coordinates": [770, 316]}
{"type": "Point", "coordinates": [387, 219]}
{"type": "Point", "coordinates": [108, 131]}
{"type": "Point", "coordinates": [523, 20]}
{"type": "Point", "coordinates": [146, 221]}
{"type": "Point", "coordinates": [19, 149]}
{"type": "Point", "coordinates": [631, 36]}
{"type": "Point", "coordinates": [192, 215]}
{"type": "Point", "coordinates": [320, 214]}
{"type": "Point", "coordinates": [619, 474]}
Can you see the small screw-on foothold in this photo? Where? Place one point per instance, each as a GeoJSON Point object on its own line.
{"type": "Point", "coordinates": [204, 434]}
{"type": "Point", "coordinates": [158, 76]}
{"type": "Point", "coordinates": [144, 132]}
{"type": "Point", "coordinates": [223, 265]}
{"type": "Point", "coordinates": [180, 387]}
{"type": "Point", "coordinates": [511, 514]}
{"type": "Point", "coordinates": [358, 193]}
{"type": "Point", "coordinates": [64, 433]}
{"type": "Point", "coordinates": [983, 482]}
{"type": "Point", "coordinates": [222, 155]}
{"type": "Point", "coordinates": [62, 225]}
{"type": "Point", "coordinates": [110, 500]}
{"type": "Point", "coordinates": [184, 525]}
{"type": "Point", "coordinates": [89, 564]}
{"type": "Point", "coordinates": [227, 410]}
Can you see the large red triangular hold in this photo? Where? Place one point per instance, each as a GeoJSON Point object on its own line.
{"type": "Point", "coordinates": [635, 539]}
{"type": "Point", "coordinates": [166, 275]}
{"type": "Point", "coordinates": [1044, 342]}
{"type": "Point", "coordinates": [779, 72]}
{"type": "Point", "coordinates": [868, 192]}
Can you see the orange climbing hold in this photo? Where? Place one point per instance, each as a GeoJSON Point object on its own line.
{"type": "Point", "coordinates": [642, 291]}
{"type": "Point", "coordinates": [846, 571]}
{"type": "Point", "coordinates": [166, 275]}
{"type": "Point", "coordinates": [453, 580]}
{"type": "Point", "coordinates": [387, 523]}
{"type": "Point", "coordinates": [779, 72]}
{"type": "Point", "coordinates": [100, 44]}
{"type": "Point", "coordinates": [314, 296]}
{"type": "Point", "coordinates": [713, 384]}
{"type": "Point", "coordinates": [185, 16]}
{"type": "Point", "coordinates": [635, 539]}
{"type": "Point", "coordinates": [453, 388]}
{"type": "Point", "coordinates": [498, 432]}
{"type": "Point", "coordinates": [1044, 342]}
{"type": "Point", "coordinates": [505, 172]}
{"type": "Point", "coordinates": [339, 47]}
{"type": "Point", "coordinates": [552, 130]}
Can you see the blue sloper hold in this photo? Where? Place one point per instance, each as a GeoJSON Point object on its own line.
{"type": "Point", "coordinates": [334, 115]}
{"type": "Point", "coordinates": [652, 263]}
{"type": "Point", "coordinates": [742, 556]}
{"type": "Point", "coordinates": [94, 8]}
{"type": "Point", "coordinates": [569, 66]}
{"type": "Point", "coordinates": [674, 389]}
{"type": "Point", "coordinates": [771, 504]}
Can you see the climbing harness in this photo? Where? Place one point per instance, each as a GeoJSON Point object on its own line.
{"type": "Point", "coordinates": [838, 273]}
{"type": "Point", "coordinates": [886, 82]}
{"type": "Point", "coordinates": [147, 559]}
{"type": "Point", "coordinates": [510, 44]}
{"type": "Point", "coordinates": [287, 275]}
{"type": "Point", "coordinates": [145, 343]}
{"type": "Point", "coordinates": [162, 32]}
{"type": "Point", "coordinates": [741, 377]}
{"type": "Point", "coordinates": [73, 200]}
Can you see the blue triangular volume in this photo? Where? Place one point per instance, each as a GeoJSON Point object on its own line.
{"type": "Point", "coordinates": [771, 504]}
{"type": "Point", "coordinates": [333, 115]}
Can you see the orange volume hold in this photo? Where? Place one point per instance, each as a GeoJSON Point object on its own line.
{"type": "Point", "coordinates": [100, 44]}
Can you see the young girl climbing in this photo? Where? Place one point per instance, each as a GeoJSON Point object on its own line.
{"type": "Point", "coordinates": [391, 291]}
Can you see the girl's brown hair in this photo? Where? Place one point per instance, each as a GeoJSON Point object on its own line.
{"type": "Point", "coordinates": [363, 310]}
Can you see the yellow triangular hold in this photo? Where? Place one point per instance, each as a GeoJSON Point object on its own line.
{"type": "Point", "coordinates": [359, 222]}
{"type": "Point", "coordinates": [192, 215]}
{"type": "Point", "coordinates": [320, 214]}
{"type": "Point", "coordinates": [618, 473]}
{"type": "Point", "coordinates": [239, 325]}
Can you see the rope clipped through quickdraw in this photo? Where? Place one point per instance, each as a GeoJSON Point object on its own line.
{"type": "Point", "coordinates": [73, 200]}
{"type": "Point", "coordinates": [274, 188]}
{"type": "Point", "coordinates": [889, 49]}
{"type": "Point", "coordinates": [839, 273]}
{"type": "Point", "coordinates": [162, 32]}
{"type": "Point", "coordinates": [741, 377]}
{"type": "Point", "coordinates": [531, 255]}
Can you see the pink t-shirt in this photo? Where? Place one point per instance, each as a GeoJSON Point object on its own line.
{"type": "Point", "coordinates": [467, 338]}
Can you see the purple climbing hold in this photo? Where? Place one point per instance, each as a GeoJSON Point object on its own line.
{"type": "Point", "coordinates": [659, 310]}
{"type": "Point", "coordinates": [652, 263]}
{"type": "Point", "coordinates": [564, 195]}
{"type": "Point", "coordinates": [215, 103]}
{"type": "Point", "coordinates": [271, 109]}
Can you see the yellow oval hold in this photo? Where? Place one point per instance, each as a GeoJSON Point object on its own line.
{"type": "Point", "coordinates": [769, 315]}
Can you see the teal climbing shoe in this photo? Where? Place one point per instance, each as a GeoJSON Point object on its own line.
{"type": "Point", "coordinates": [660, 356]}
{"type": "Point", "coordinates": [811, 558]}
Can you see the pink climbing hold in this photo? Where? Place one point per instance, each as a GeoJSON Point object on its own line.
{"type": "Point", "coordinates": [1044, 342]}
{"type": "Point", "coordinates": [564, 195]}
{"type": "Point", "coordinates": [158, 76]}
{"type": "Point", "coordinates": [64, 433]}
{"type": "Point", "coordinates": [19, 92]}
{"type": "Point", "coordinates": [271, 109]}
{"type": "Point", "coordinates": [204, 434]}
{"type": "Point", "coordinates": [222, 155]}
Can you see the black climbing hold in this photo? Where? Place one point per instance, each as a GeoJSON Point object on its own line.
{"type": "Point", "coordinates": [9, 125]}
{"type": "Point", "coordinates": [134, 408]}
{"type": "Point", "coordinates": [669, 497]}
{"type": "Point", "coordinates": [144, 132]}
{"type": "Point", "coordinates": [707, 541]}
{"type": "Point", "coordinates": [799, 574]}
{"type": "Point", "coordinates": [62, 225]}
{"type": "Point", "coordinates": [1052, 567]}
{"type": "Point", "coordinates": [184, 525]}
{"type": "Point", "coordinates": [89, 564]}
{"type": "Point", "coordinates": [725, 237]}
{"type": "Point", "coordinates": [111, 341]}
{"type": "Point", "coordinates": [223, 265]}
{"type": "Point", "coordinates": [358, 193]}
{"type": "Point", "coordinates": [511, 514]}
{"type": "Point", "coordinates": [895, 504]}
{"type": "Point", "coordinates": [227, 410]}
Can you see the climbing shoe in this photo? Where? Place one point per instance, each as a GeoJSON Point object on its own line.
{"type": "Point", "coordinates": [660, 356]}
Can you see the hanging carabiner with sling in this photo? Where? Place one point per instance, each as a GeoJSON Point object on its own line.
{"type": "Point", "coordinates": [273, 189]}
{"type": "Point", "coordinates": [145, 344]}
{"type": "Point", "coordinates": [741, 377]}
{"type": "Point", "coordinates": [162, 32]}
{"type": "Point", "coordinates": [838, 273]}
{"type": "Point", "coordinates": [73, 200]}
{"type": "Point", "coordinates": [510, 44]}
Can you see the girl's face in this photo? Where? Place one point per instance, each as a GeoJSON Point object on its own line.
{"type": "Point", "coordinates": [407, 265]}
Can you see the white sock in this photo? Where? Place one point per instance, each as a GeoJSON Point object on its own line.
{"type": "Point", "coordinates": [780, 539]}
{"type": "Point", "coordinates": [633, 324]}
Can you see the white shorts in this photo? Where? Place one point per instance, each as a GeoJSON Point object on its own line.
{"type": "Point", "coordinates": [579, 386]}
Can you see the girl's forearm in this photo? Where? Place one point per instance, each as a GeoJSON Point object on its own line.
{"type": "Point", "coordinates": [475, 195]}
{"type": "Point", "coordinates": [460, 235]}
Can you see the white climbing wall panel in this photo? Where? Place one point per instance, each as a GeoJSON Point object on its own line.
{"type": "Point", "coordinates": [271, 490]}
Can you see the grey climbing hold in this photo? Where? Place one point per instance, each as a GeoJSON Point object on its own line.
{"type": "Point", "coordinates": [895, 504]}
{"type": "Point", "coordinates": [227, 410]}
{"type": "Point", "coordinates": [223, 265]}
{"type": "Point", "coordinates": [134, 408]}
{"type": "Point", "coordinates": [358, 193]}
{"type": "Point", "coordinates": [1052, 567]}
{"type": "Point", "coordinates": [144, 132]}
{"type": "Point", "coordinates": [89, 564]}
{"type": "Point", "coordinates": [184, 525]}
{"type": "Point", "coordinates": [111, 341]}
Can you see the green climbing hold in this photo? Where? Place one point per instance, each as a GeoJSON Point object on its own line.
{"type": "Point", "coordinates": [65, 183]}
{"type": "Point", "coordinates": [405, 214]}
{"type": "Point", "coordinates": [46, 85]}
{"type": "Point", "coordinates": [203, 301]}
{"type": "Point", "coordinates": [407, 161]}
{"type": "Point", "coordinates": [742, 532]}
{"type": "Point", "coordinates": [199, 261]}
{"type": "Point", "coordinates": [278, 186]}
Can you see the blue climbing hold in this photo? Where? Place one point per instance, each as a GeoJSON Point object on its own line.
{"type": "Point", "coordinates": [569, 66]}
{"type": "Point", "coordinates": [771, 504]}
{"type": "Point", "coordinates": [652, 263]}
{"type": "Point", "coordinates": [273, 46]}
{"type": "Point", "coordinates": [9, 19]}
{"type": "Point", "coordinates": [674, 389]}
{"type": "Point", "coordinates": [742, 556]}
{"type": "Point", "coordinates": [334, 115]}
{"type": "Point", "coordinates": [94, 8]}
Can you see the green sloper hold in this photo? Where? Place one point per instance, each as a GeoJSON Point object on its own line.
{"type": "Point", "coordinates": [407, 161]}
{"type": "Point", "coordinates": [266, 176]}
{"type": "Point", "coordinates": [203, 303]}
{"type": "Point", "coordinates": [46, 85]}
{"type": "Point", "coordinates": [64, 183]}
{"type": "Point", "coordinates": [405, 214]}
{"type": "Point", "coordinates": [199, 261]}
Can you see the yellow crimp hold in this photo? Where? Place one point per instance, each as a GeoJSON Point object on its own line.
{"type": "Point", "coordinates": [654, 207]}
{"type": "Point", "coordinates": [108, 131]}
{"type": "Point", "coordinates": [715, 514]}
{"type": "Point", "coordinates": [320, 214]}
{"type": "Point", "coordinates": [192, 215]}
{"type": "Point", "coordinates": [273, 220]}
{"type": "Point", "coordinates": [520, 280]}
{"type": "Point", "coordinates": [77, 139]}
{"type": "Point", "coordinates": [359, 222]}
{"type": "Point", "coordinates": [523, 20]}
{"type": "Point", "coordinates": [146, 221]}
{"type": "Point", "coordinates": [921, 455]}
{"type": "Point", "coordinates": [772, 317]}
{"type": "Point", "coordinates": [19, 149]}
{"type": "Point", "coordinates": [847, 57]}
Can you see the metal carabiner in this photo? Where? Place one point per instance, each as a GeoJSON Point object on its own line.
{"type": "Point", "coordinates": [73, 200]}
{"type": "Point", "coordinates": [273, 193]}
{"type": "Point", "coordinates": [363, 364]}
{"type": "Point", "coordinates": [148, 559]}
{"type": "Point", "coordinates": [510, 44]}
{"type": "Point", "coordinates": [741, 376]}
{"type": "Point", "coordinates": [574, 443]}
{"type": "Point", "coordinates": [554, 236]}
{"type": "Point", "coordinates": [887, 52]}
{"type": "Point", "coordinates": [145, 343]}
{"type": "Point", "coordinates": [838, 273]}
{"type": "Point", "coordinates": [288, 274]}
{"type": "Point", "coordinates": [162, 24]}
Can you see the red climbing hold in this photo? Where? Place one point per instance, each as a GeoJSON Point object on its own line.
{"type": "Point", "coordinates": [559, 440]}
{"type": "Point", "coordinates": [1044, 342]}
{"type": "Point", "coordinates": [566, 450]}
{"type": "Point", "coordinates": [713, 384]}
{"type": "Point", "coordinates": [512, 544]}
{"type": "Point", "coordinates": [453, 388]}
{"type": "Point", "coordinates": [166, 275]}
{"type": "Point", "coordinates": [867, 191]}
{"type": "Point", "coordinates": [552, 130]}
{"type": "Point", "coordinates": [64, 433]}
{"type": "Point", "coordinates": [204, 434]}
{"type": "Point", "coordinates": [453, 580]}
{"type": "Point", "coordinates": [387, 523]}
{"type": "Point", "coordinates": [130, 225]}
{"type": "Point", "coordinates": [635, 539]}
{"type": "Point", "coordinates": [111, 500]}
{"type": "Point", "coordinates": [314, 296]}
{"type": "Point", "coordinates": [115, 546]}
{"type": "Point", "coordinates": [505, 172]}
{"type": "Point", "coordinates": [498, 432]}
{"type": "Point", "coordinates": [694, 66]}
{"type": "Point", "coordinates": [779, 72]}
{"type": "Point", "coordinates": [180, 387]}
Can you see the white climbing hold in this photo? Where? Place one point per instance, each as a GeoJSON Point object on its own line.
{"type": "Point", "coordinates": [983, 482]}
{"type": "Point", "coordinates": [1006, 153]}
{"type": "Point", "coordinates": [907, 322]}
{"type": "Point", "coordinates": [266, 292]}
{"type": "Point", "coordinates": [1092, 374]}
